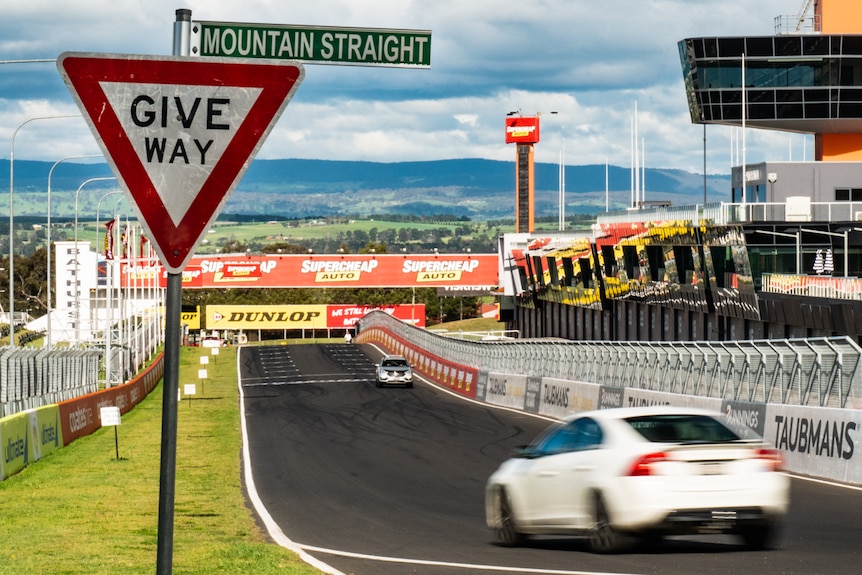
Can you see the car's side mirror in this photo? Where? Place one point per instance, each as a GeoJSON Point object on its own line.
{"type": "Point", "coordinates": [525, 452]}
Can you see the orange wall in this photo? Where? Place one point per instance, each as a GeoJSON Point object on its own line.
{"type": "Point", "coordinates": [838, 147]}
{"type": "Point", "coordinates": [839, 16]}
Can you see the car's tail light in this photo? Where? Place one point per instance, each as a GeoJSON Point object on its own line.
{"type": "Point", "coordinates": [771, 457]}
{"type": "Point", "coordinates": [643, 466]}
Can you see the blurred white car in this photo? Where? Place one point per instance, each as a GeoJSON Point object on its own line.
{"type": "Point", "coordinates": [212, 342]}
{"type": "Point", "coordinates": [394, 370]}
{"type": "Point", "coordinates": [646, 472]}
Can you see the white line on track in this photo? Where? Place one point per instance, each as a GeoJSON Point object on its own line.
{"type": "Point", "coordinates": [271, 526]}
{"type": "Point", "coordinates": [475, 566]}
{"type": "Point", "coordinates": [304, 550]}
{"type": "Point", "coordinates": [306, 382]}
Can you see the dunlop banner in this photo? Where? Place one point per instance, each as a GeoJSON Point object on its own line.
{"type": "Point", "coordinates": [191, 319]}
{"type": "Point", "coordinates": [464, 271]}
{"type": "Point", "coordinates": [303, 316]}
{"type": "Point", "coordinates": [266, 316]}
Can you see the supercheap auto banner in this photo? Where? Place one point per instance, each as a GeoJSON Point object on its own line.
{"type": "Point", "coordinates": [475, 271]}
{"type": "Point", "coordinates": [309, 316]}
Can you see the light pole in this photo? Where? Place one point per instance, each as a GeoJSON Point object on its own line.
{"type": "Point", "coordinates": [48, 238]}
{"type": "Point", "coordinates": [99, 206]}
{"type": "Point", "coordinates": [562, 178]}
{"type": "Point", "coordinates": [78, 192]}
{"type": "Point", "coordinates": [109, 290]}
{"type": "Point", "coordinates": [798, 237]}
{"type": "Point", "coordinates": [78, 257]}
{"type": "Point", "coordinates": [33, 61]}
{"type": "Point", "coordinates": [12, 219]}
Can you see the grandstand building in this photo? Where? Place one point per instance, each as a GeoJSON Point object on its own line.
{"type": "Point", "coordinates": [781, 258]}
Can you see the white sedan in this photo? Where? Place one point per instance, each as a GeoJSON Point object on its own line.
{"type": "Point", "coordinates": [647, 472]}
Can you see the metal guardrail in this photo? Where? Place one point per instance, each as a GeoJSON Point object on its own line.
{"type": "Point", "coordinates": [34, 377]}
{"type": "Point", "coordinates": [725, 213]}
{"type": "Point", "coordinates": [823, 372]}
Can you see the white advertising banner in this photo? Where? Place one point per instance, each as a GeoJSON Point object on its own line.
{"type": "Point", "coordinates": [506, 389]}
{"type": "Point", "coordinates": [561, 398]}
{"type": "Point", "coordinates": [817, 441]}
{"type": "Point", "coordinates": [645, 397]}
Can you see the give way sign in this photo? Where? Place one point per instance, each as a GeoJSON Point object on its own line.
{"type": "Point", "coordinates": [179, 133]}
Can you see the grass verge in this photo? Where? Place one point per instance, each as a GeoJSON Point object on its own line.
{"type": "Point", "coordinates": [83, 511]}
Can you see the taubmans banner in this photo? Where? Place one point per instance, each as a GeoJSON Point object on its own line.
{"type": "Point", "coordinates": [309, 271]}
{"type": "Point", "coordinates": [309, 316]}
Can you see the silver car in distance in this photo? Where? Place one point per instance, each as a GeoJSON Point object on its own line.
{"type": "Point", "coordinates": [394, 370]}
{"type": "Point", "coordinates": [645, 472]}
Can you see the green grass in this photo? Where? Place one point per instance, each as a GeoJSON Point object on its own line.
{"type": "Point", "coordinates": [82, 511]}
{"type": "Point", "coordinates": [477, 324]}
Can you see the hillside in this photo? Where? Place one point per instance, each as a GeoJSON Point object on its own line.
{"type": "Point", "coordinates": [467, 188]}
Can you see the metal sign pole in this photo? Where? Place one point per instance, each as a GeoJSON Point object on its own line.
{"type": "Point", "coordinates": [173, 308]}
{"type": "Point", "coordinates": [167, 473]}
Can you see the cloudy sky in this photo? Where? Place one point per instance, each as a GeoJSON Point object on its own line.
{"type": "Point", "coordinates": [591, 62]}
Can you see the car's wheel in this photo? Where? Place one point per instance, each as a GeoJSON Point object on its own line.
{"type": "Point", "coordinates": [377, 383]}
{"type": "Point", "coordinates": [409, 385]}
{"type": "Point", "coordinates": [506, 531]}
{"type": "Point", "coordinates": [759, 537]}
{"type": "Point", "coordinates": [651, 540]}
{"type": "Point", "coordinates": [604, 538]}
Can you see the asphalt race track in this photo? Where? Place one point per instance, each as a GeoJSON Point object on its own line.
{"type": "Point", "coordinates": [390, 481]}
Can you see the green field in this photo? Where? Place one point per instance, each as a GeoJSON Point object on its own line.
{"type": "Point", "coordinates": [320, 235]}
{"type": "Point", "coordinates": [82, 511]}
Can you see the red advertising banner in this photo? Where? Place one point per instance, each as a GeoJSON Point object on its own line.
{"type": "Point", "coordinates": [475, 271]}
{"type": "Point", "coordinates": [341, 316]}
{"type": "Point", "coordinates": [522, 130]}
{"type": "Point", "coordinates": [81, 416]}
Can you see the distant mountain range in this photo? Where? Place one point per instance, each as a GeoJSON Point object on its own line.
{"type": "Point", "coordinates": [471, 188]}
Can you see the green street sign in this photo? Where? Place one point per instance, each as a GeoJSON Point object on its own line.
{"type": "Point", "coordinates": [313, 44]}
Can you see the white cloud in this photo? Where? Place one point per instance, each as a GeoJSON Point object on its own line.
{"type": "Point", "coordinates": [588, 62]}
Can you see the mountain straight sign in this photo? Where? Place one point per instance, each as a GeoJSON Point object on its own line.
{"type": "Point", "coordinates": [313, 44]}
{"type": "Point", "coordinates": [179, 133]}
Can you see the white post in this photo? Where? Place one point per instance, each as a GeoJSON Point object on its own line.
{"type": "Point", "coordinates": [744, 170]}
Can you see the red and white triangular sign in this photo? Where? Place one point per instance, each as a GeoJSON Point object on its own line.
{"type": "Point", "coordinates": [179, 133]}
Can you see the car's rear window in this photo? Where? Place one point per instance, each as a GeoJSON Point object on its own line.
{"type": "Point", "coordinates": [682, 429]}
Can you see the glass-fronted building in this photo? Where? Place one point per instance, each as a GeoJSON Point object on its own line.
{"type": "Point", "coordinates": [795, 83]}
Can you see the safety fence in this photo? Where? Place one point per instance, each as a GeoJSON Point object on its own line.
{"type": "Point", "coordinates": [821, 372]}
{"type": "Point", "coordinates": [31, 378]}
{"type": "Point", "coordinates": [33, 433]}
